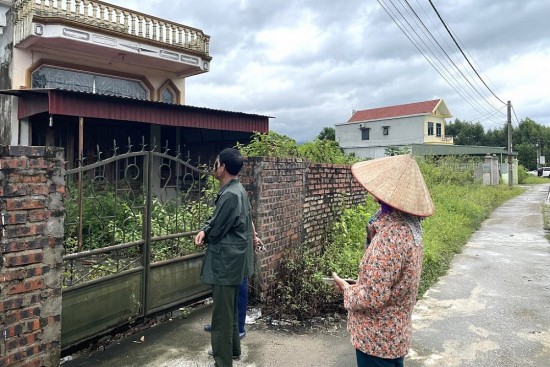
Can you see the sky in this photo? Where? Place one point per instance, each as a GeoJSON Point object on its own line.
{"type": "Point", "coordinates": [311, 63]}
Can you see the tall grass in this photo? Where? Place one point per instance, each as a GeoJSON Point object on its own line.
{"type": "Point", "coordinates": [461, 206]}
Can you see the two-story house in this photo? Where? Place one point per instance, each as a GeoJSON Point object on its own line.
{"type": "Point", "coordinates": [369, 132]}
{"type": "Point", "coordinates": [82, 73]}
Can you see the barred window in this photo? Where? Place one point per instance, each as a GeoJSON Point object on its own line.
{"type": "Point", "coordinates": [168, 96]}
{"type": "Point", "coordinates": [79, 81]}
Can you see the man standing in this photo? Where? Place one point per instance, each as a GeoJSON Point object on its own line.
{"type": "Point", "coordinates": [229, 256]}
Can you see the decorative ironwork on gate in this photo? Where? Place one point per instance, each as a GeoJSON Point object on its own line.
{"type": "Point", "coordinates": [130, 222]}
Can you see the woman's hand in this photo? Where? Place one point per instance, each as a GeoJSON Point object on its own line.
{"type": "Point", "coordinates": [339, 284]}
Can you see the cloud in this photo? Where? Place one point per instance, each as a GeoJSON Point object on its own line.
{"type": "Point", "coordinates": [310, 63]}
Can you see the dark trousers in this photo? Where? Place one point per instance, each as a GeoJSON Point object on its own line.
{"type": "Point", "coordinates": [366, 360]}
{"type": "Point", "coordinates": [243, 303]}
{"type": "Point", "coordinates": [225, 331]}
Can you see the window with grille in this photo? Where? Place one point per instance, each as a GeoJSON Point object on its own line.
{"type": "Point", "coordinates": [168, 96]}
{"type": "Point", "coordinates": [430, 128]}
{"type": "Point", "coordinates": [79, 81]}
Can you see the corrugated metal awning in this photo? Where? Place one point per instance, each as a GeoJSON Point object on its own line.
{"type": "Point", "coordinates": [87, 105]}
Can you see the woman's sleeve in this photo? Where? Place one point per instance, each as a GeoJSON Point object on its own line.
{"type": "Point", "coordinates": [380, 269]}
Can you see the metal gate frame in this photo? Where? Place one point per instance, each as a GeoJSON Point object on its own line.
{"type": "Point", "coordinates": [141, 287]}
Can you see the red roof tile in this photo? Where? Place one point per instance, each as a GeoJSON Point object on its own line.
{"type": "Point", "coordinates": [417, 108]}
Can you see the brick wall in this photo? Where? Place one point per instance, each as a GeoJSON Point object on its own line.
{"type": "Point", "coordinates": [31, 241]}
{"type": "Point", "coordinates": [329, 188]}
{"type": "Point", "coordinates": [294, 202]}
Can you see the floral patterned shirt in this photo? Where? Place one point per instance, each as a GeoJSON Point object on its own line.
{"type": "Point", "coordinates": [380, 304]}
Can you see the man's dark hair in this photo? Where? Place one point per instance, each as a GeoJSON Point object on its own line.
{"type": "Point", "coordinates": [232, 159]}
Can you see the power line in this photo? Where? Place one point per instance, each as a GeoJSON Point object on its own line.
{"type": "Point", "coordinates": [426, 50]}
{"type": "Point", "coordinates": [514, 110]}
{"type": "Point", "coordinates": [491, 115]}
{"type": "Point", "coordinates": [445, 40]}
{"type": "Point", "coordinates": [463, 54]}
{"type": "Point", "coordinates": [443, 50]}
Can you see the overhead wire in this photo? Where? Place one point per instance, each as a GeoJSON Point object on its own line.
{"type": "Point", "coordinates": [421, 49]}
{"type": "Point", "coordinates": [443, 73]}
{"type": "Point", "coordinates": [450, 61]}
{"type": "Point", "coordinates": [444, 39]}
{"type": "Point", "coordinates": [457, 38]}
{"type": "Point", "coordinates": [491, 117]}
{"type": "Point", "coordinates": [466, 57]}
{"type": "Point", "coordinates": [513, 110]}
{"type": "Point", "coordinates": [488, 110]}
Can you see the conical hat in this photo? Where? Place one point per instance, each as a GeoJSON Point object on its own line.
{"type": "Point", "coordinates": [398, 182]}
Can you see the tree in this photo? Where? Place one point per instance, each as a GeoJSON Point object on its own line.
{"type": "Point", "coordinates": [527, 155]}
{"type": "Point", "coordinates": [466, 133]}
{"type": "Point", "coordinates": [328, 133]}
{"type": "Point", "coordinates": [497, 137]}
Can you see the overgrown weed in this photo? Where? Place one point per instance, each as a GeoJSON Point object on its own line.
{"type": "Point", "coordinates": [461, 206]}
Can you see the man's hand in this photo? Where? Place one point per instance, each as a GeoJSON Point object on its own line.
{"type": "Point", "coordinates": [199, 239]}
{"type": "Point", "coordinates": [258, 244]}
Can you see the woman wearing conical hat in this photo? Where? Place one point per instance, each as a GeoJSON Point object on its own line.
{"type": "Point", "coordinates": [380, 304]}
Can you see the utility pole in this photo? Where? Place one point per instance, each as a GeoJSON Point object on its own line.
{"type": "Point", "coordinates": [510, 158]}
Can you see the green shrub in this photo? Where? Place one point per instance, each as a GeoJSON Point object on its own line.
{"type": "Point", "coordinates": [112, 218]}
{"type": "Point", "coordinates": [461, 206]}
{"type": "Point", "coordinates": [325, 151]}
{"type": "Point", "coordinates": [347, 242]}
{"type": "Point", "coordinates": [522, 174]}
{"type": "Point", "coordinates": [298, 291]}
{"type": "Point", "coordinates": [272, 144]}
{"type": "Point", "coordinates": [269, 144]}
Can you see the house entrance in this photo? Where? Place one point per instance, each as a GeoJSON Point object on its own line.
{"type": "Point", "coordinates": [130, 222]}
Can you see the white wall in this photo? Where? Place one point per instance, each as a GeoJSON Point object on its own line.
{"type": "Point", "coordinates": [402, 132]}
{"type": "Point", "coordinates": [4, 7]}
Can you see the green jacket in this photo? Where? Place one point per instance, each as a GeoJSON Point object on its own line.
{"type": "Point", "coordinates": [228, 234]}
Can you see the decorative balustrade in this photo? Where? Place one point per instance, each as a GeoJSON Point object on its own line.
{"type": "Point", "coordinates": [433, 139]}
{"type": "Point", "coordinates": [109, 17]}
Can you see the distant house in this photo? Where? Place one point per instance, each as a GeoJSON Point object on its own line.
{"type": "Point", "coordinates": [368, 133]}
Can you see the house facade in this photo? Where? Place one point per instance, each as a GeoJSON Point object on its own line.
{"type": "Point", "coordinates": [368, 133]}
{"type": "Point", "coordinates": [81, 74]}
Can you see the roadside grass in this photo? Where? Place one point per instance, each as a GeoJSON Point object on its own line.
{"type": "Point", "coordinates": [535, 180]}
{"type": "Point", "coordinates": [461, 206]}
{"type": "Point", "coordinates": [545, 208]}
{"type": "Point", "coordinates": [460, 210]}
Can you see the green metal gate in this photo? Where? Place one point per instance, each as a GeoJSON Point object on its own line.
{"type": "Point", "coordinates": [130, 222]}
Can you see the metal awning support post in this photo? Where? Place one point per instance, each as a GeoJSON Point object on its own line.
{"type": "Point", "coordinates": [80, 164]}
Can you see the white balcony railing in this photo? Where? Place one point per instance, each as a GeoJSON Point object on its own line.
{"type": "Point", "coordinates": [432, 139]}
{"type": "Point", "coordinates": [108, 17]}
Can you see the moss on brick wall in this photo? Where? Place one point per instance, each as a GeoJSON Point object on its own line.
{"type": "Point", "coordinates": [31, 242]}
{"type": "Point", "coordinates": [294, 203]}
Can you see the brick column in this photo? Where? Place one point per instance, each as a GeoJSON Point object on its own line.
{"type": "Point", "coordinates": [32, 185]}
